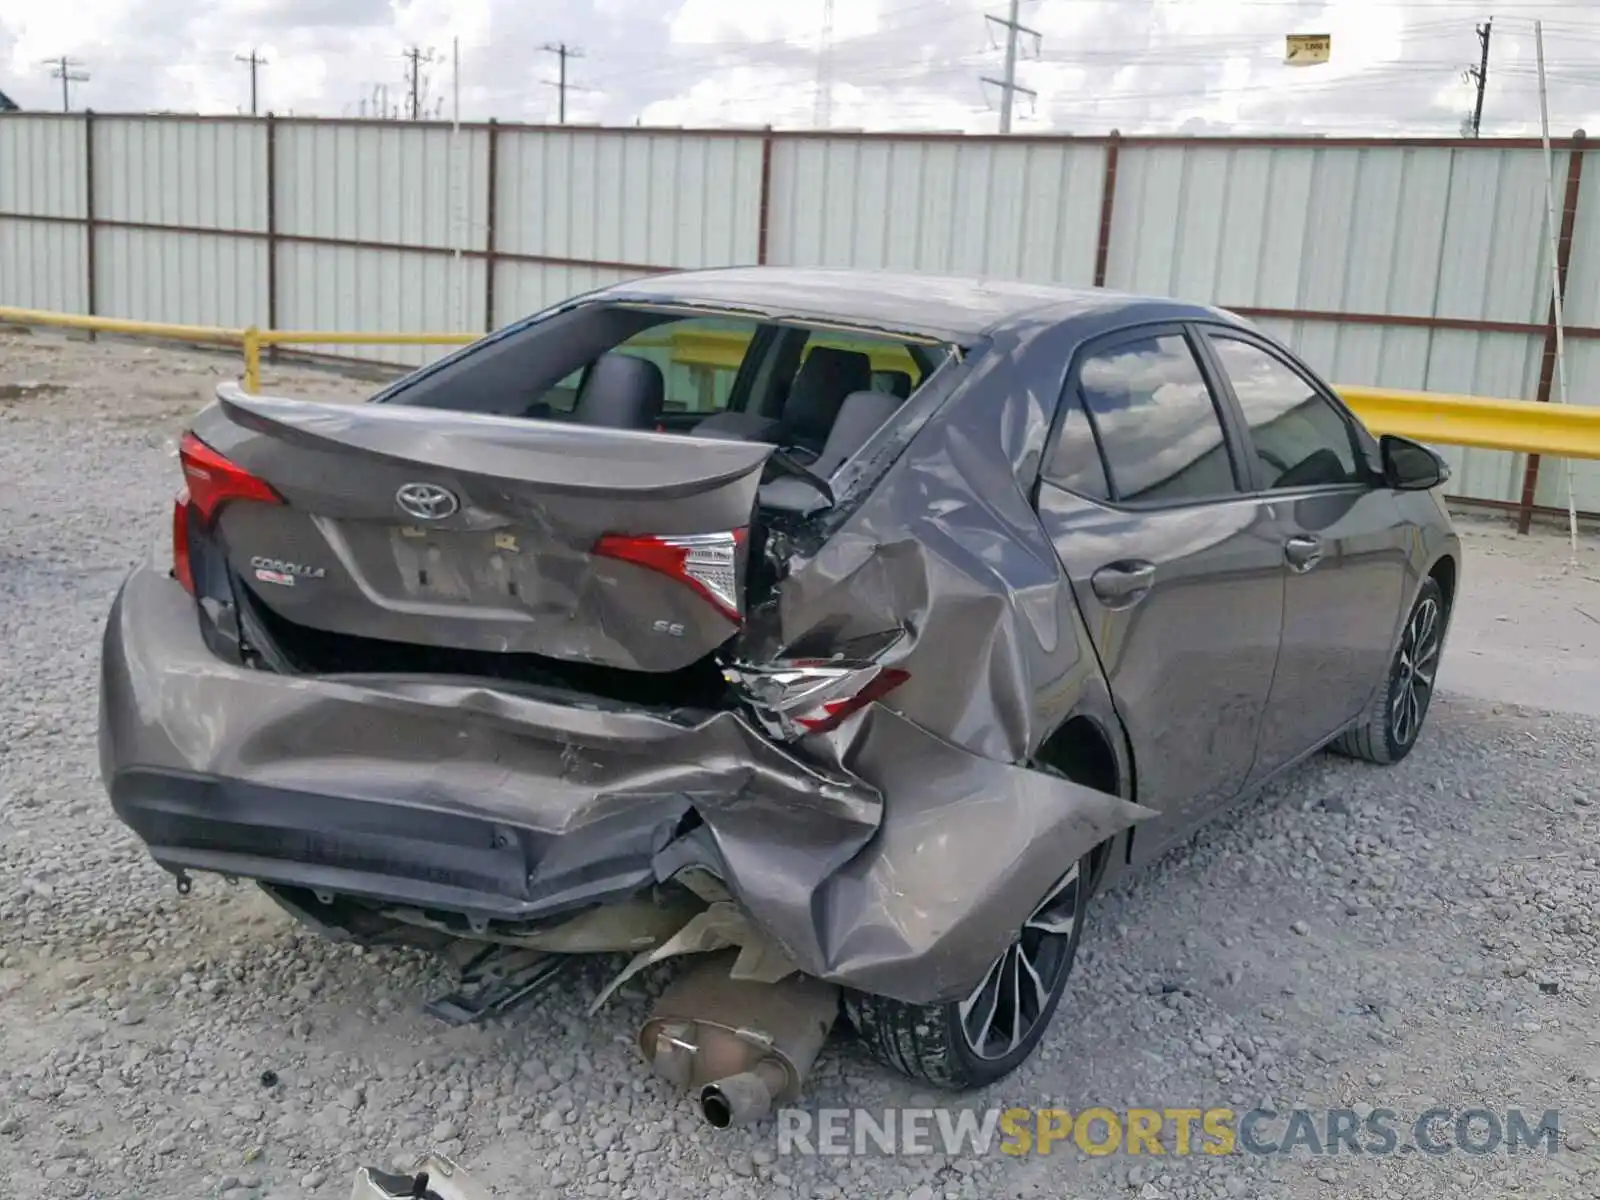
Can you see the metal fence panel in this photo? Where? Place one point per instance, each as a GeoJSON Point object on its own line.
{"type": "Point", "coordinates": [187, 278]}
{"type": "Point", "coordinates": [43, 265]}
{"type": "Point", "coordinates": [391, 291]}
{"type": "Point", "coordinates": [1495, 264]}
{"type": "Point", "coordinates": [646, 197]}
{"type": "Point", "coordinates": [1403, 231]}
{"type": "Point", "coordinates": [210, 174]}
{"type": "Point", "coordinates": [1025, 210]}
{"type": "Point", "coordinates": [382, 182]}
{"type": "Point", "coordinates": [42, 165]}
{"type": "Point", "coordinates": [523, 288]}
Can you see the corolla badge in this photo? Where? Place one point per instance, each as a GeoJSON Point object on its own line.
{"type": "Point", "coordinates": [284, 573]}
{"type": "Point", "coordinates": [427, 501]}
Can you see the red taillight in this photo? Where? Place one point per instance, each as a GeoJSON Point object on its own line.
{"type": "Point", "coordinates": [210, 481]}
{"type": "Point", "coordinates": [182, 569]}
{"type": "Point", "coordinates": [830, 714]}
{"type": "Point", "coordinates": [706, 562]}
{"type": "Point", "coordinates": [213, 480]}
{"type": "Point", "coordinates": [799, 696]}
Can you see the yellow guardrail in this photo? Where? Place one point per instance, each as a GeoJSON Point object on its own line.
{"type": "Point", "coordinates": [1564, 430]}
{"type": "Point", "coordinates": [1561, 430]}
{"type": "Point", "coordinates": [155, 329]}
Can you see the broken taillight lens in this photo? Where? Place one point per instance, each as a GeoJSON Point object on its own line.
{"type": "Point", "coordinates": [802, 696]}
{"type": "Point", "coordinates": [210, 481]}
{"type": "Point", "coordinates": [182, 568]}
{"type": "Point", "coordinates": [830, 714]}
{"type": "Point", "coordinates": [706, 562]}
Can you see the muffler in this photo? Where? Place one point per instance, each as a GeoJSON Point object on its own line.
{"type": "Point", "coordinates": [739, 1046]}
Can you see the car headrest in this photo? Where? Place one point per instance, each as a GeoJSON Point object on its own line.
{"type": "Point", "coordinates": [825, 378]}
{"type": "Point", "coordinates": [899, 383]}
{"type": "Point", "coordinates": [860, 416]}
{"type": "Point", "coordinates": [621, 391]}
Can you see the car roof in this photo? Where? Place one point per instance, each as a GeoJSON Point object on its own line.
{"type": "Point", "coordinates": [948, 307]}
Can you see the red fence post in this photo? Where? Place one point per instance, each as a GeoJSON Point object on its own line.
{"type": "Point", "coordinates": [89, 294]}
{"type": "Point", "coordinates": [1108, 204]}
{"type": "Point", "coordinates": [764, 203]}
{"type": "Point", "coordinates": [491, 205]}
{"type": "Point", "coordinates": [272, 229]}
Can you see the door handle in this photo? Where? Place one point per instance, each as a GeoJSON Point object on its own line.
{"type": "Point", "coordinates": [1303, 552]}
{"type": "Point", "coordinates": [1123, 583]}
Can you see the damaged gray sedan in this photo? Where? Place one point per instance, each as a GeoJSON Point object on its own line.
{"type": "Point", "coordinates": [845, 630]}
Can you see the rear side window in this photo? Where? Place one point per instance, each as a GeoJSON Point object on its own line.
{"type": "Point", "coordinates": [1300, 439]}
{"type": "Point", "coordinates": [1074, 459]}
{"type": "Point", "coordinates": [1156, 422]}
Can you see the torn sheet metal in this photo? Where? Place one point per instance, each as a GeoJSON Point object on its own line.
{"type": "Point", "coordinates": [966, 848]}
{"type": "Point", "coordinates": [722, 926]}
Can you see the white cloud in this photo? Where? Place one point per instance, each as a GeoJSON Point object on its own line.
{"type": "Point", "coordinates": [1137, 65]}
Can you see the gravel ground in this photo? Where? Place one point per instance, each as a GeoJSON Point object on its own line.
{"type": "Point", "coordinates": [1358, 937]}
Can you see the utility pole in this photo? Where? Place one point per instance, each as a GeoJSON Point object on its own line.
{"type": "Point", "coordinates": [62, 69]}
{"type": "Point", "coordinates": [418, 58]}
{"type": "Point", "coordinates": [1009, 87]}
{"type": "Point", "coordinates": [254, 61]}
{"type": "Point", "coordinates": [562, 51]}
{"type": "Point", "coordinates": [1480, 75]}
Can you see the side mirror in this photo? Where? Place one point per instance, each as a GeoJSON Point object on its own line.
{"type": "Point", "coordinates": [1410, 466]}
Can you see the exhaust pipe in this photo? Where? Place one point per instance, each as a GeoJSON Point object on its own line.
{"type": "Point", "coordinates": [741, 1047]}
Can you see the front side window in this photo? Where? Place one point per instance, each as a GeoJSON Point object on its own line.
{"type": "Point", "coordinates": [1300, 439]}
{"type": "Point", "coordinates": [1156, 421]}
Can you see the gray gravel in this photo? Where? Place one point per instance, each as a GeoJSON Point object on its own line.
{"type": "Point", "coordinates": [1360, 936]}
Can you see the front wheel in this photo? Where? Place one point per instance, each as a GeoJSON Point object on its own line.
{"type": "Point", "coordinates": [976, 1041]}
{"type": "Point", "coordinates": [1389, 728]}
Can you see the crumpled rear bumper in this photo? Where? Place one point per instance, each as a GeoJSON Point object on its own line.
{"type": "Point", "coordinates": [879, 857]}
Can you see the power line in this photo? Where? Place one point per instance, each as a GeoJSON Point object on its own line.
{"type": "Point", "coordinates": [1009, 87]}
{"type": "Point", "coordinates": [1480, 75]}
{"type": "Point", "coordinates": [562, 51]}
{"type": "Point", "coordinates": [255, 62]}
{"type": "Point", "coordinates": [62, 68]}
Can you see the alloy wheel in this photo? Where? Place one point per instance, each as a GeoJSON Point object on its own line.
{"type": "Point", "coordinates": [1414, 672]}
{"type": "Point", "coordinates": [1014, 996]}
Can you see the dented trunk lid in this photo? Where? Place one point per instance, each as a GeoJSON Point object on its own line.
{"type": "Point", "coordinates": [487, 533]}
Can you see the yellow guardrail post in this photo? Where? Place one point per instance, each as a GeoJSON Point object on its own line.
{"type": "Point", "coordinates": [251, 340]}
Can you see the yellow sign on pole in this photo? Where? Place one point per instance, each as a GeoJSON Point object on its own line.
{"type": "Point", "coordinates": [1308, 49]}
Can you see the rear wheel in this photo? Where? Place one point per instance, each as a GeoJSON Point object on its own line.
{"type": "Point", "coordinates": [983, 1037]}
{"type": "Point", "coordinates": [1390, 726]}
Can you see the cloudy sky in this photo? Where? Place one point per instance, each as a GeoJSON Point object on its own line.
{"type": "Point", "coordinates": [1201, 66]}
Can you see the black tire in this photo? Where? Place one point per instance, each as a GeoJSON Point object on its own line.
{"type": "Point", "coordinates": [1392, 723]}
{"type": "Point", "coordinates": [935, 1043]}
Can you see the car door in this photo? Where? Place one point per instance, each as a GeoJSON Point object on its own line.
{"type": "Point", "coordinates": [1178, 570]}
{"type": "Point", "coordinates": [1343, 545]}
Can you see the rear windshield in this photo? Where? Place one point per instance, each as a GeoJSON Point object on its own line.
{"type": "Point", "coordinates": [708, 364]}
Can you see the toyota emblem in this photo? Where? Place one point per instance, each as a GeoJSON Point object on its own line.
{"type": "Point", "coordinates": [427, 501]}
